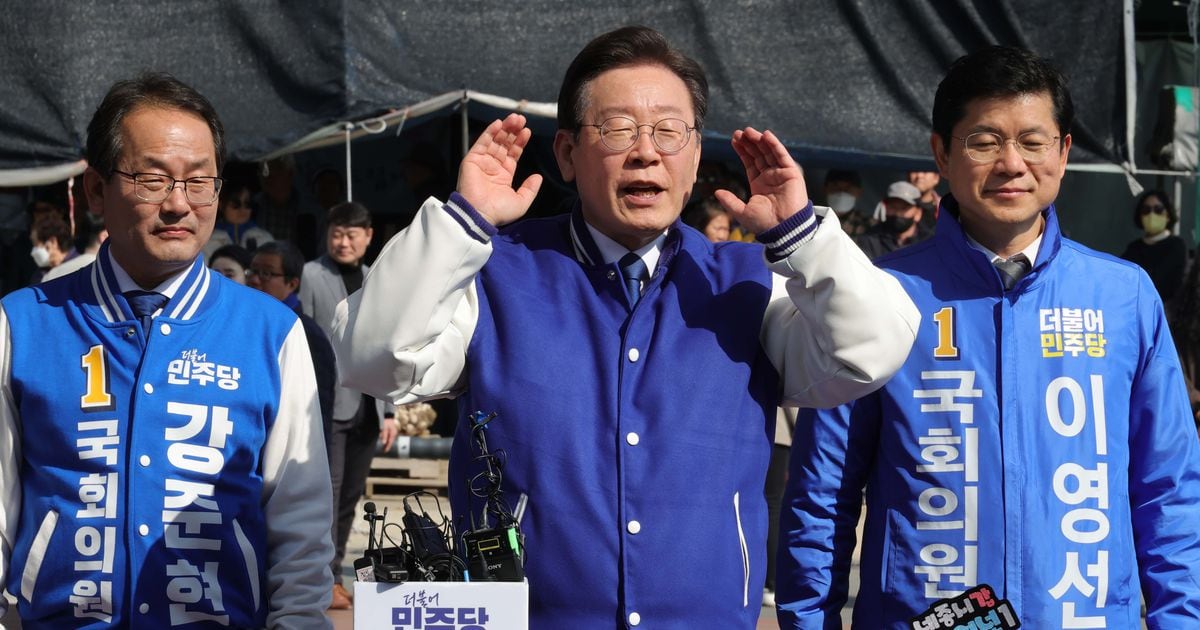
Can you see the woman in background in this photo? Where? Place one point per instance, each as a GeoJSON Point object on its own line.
{"type": "Point", "coordinates": [710, 218]}
{"type": "Point", "coordinates": [234, 225]}
{"type": "Point", "coordinates": [1162, 254]}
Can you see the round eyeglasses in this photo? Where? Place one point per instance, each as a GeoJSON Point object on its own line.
{"type": "Point", "coordinates": [619, 133]}
{"type": "Point", "coordinates": [156, 187]}
{"type": "Point", "coordinates": [985, 146]}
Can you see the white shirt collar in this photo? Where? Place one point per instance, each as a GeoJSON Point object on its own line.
{"type": "Point", "coordinates": [167, 287]}
{"type": "Point", "coordinates": [612, 251]}
{"type": "Point", "coordinates": [1150, 240]}
{"type": "Point", "coordinates": [1030, 251]}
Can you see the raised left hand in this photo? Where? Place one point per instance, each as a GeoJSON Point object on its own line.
{"type": "Point", "coordinates": [777, 188]}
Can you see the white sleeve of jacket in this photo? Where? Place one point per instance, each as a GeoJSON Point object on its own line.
{"type": "Point", "coordinates": [297, 498]}
{"type": "Point", "coordinates": [403, 337]}
{"type": "Point", "coordinates": [10, 457]}
{"type": "Point", "coordinates": [837, 327]}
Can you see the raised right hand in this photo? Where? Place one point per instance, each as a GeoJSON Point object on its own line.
{"type": "Point", "coordinates": [485, 177]}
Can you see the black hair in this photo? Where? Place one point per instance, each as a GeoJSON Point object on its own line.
{"type": "Point", "coordinates": [843, 175]}
{"type": "Point", "coordinates": [624, 47]}
{"type": "Point", "coordinates": [290, 257]}
{"type": "Point", "coordinates": [1172, 216]}
{"type": "Point", "coordinates": [52, 227]}
{"type": "Point", "coordinates": [88, 227]}
{"type": "Point", "coordinates": [999, 72]}
{"type": "Point", "coordinates": [701, 213]}
{"type": "Point", "coordinates": [234, 252]}
{"type": "Point", "coordinates": [233, 188]}
{"type": "Point", "coordinates": [349, 214]}
{"type": "Point", "coordinates": [149, 89]}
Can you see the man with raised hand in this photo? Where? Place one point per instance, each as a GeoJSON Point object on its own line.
{"type": "Point", "coordinates": [160, 458]}
{"type": "Point", "coordinates": [1037, 448]}
{"type": "Point", "coordinates": [635, 366]}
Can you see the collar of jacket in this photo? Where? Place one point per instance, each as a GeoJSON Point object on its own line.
{"type": "Point", "coordinates": [196, 287]}
{"type": "Point", "coordinates": [587, 253]}
{"type": "Point", "coordinates": [950, 232]}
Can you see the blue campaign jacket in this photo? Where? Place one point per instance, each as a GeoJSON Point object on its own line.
{"type": "Point", "coordinates": [1038, 441]}
{"type": "Point", "coordinates": [141, 461]}
{"type": "Point", "coordinates": [650, 500]}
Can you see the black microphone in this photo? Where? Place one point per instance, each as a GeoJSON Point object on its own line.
{"type": "Point", "coordinates": [364, 567]}
{"type": "Point", "coordinates": [370, 517]}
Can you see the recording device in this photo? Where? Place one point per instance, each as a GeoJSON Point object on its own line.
{"type": "Point", "coordinates": [492, 550]}
{"type": "Point", "coordinates": [494, 553]}
{"type": "Point", "coordinates": [379, 564]}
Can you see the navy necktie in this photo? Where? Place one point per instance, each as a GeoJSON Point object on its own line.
{"type": "Point", "coordinates": [1012, 269]}
{"type": "Point", "coordinates": [633, 272]}
{"type": "Point", "coordinates": [144, 304]}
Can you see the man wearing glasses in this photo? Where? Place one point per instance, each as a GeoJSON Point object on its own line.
{"type": "Point", "coordinates": [160, 457]}
{"type": "Point", "coordinates": [1038, 440]}
{"type": "Point", "coordinates": [634, 366]}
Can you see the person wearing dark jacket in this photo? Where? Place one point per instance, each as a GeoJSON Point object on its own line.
{"type": "Point", "coordinates": [901, 224]}
{"type": "Point", "coordinates": [275, 270]}
{"type": "Point", "coordinates": [1162, 254]}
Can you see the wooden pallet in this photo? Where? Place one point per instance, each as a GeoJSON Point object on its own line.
{"type": "Point", "coordinates": [390, 476]}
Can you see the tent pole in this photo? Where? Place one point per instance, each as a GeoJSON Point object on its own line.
{"type": "Point", "coordinates": [349, 187]}
{"type": "Point", "coordinates": [466, 140]}
{"type": "Point", "coordinates": [1130, 80]}
{"type": "Point", "coordinates": [1130, 47]}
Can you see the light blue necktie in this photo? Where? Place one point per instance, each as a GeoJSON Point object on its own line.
{"type": "Point", "coordinates": [633, 272]}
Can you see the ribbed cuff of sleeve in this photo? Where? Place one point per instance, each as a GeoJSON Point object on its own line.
{"type": "Point", "coordinates": [469, 218]}
{"type": "Point", "coordinates": [787, 237]}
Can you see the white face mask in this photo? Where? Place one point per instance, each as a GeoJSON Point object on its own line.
{"type": "Point", "coordinates": [41, 256]}
{"type": "Point", "coordinates": [841, 202]}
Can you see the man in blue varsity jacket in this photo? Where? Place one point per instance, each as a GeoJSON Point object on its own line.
{"type": "Point", "coordinates": [161, 457]}
{"type": "Point", "coordinates": [635, 366]}
{"type": "Point", "coordinates": [1037, 441]}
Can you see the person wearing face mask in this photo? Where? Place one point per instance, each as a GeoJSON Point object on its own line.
{"type": "Point", "coordinates": [1162, 254]}
{"type": "Point", "coordinates": [842, 191]}
{"type": "Point", "coordinates": [51, 238]}
{"type": "Point", "coordinates": [900, 224]}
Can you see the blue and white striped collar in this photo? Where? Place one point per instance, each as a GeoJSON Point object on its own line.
{"type": "Point", "coordinates": [589, 250]}
{"type": "Point", "coordinates": [186, 289]}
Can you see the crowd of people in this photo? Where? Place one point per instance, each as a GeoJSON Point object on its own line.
{"type": "Point", "coordinates": [708, 405]}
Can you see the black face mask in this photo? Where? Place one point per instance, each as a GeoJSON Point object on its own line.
{"type": "Point", "coordinates": [897, 224]}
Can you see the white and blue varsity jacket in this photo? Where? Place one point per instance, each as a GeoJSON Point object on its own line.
{"type": "Point", "coordinates": [639, 436]}
{"type": "Point", "coordinates": [179, 480]}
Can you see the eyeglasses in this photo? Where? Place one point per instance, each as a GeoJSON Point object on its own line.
{"type": "Point", "coordinates": [619, 133]}
{"type": "Point", "coordinates": [1156, 208]}
{"type": "Point", "coordinates": [156, 187]}
{"type": "Point", "coordinates": [985, 146]}
{"type": "Point", "coordinates": [263, 273]}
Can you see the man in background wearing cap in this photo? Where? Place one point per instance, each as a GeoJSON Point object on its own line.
{"type": "Point", "coordinates": [901, 224]}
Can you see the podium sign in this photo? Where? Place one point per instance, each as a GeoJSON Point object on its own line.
{"type": "Point", "coordinates": [441, 606]}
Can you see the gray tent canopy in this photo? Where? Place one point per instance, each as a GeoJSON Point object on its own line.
{"type": "Point", "coordinates": [841, 82]}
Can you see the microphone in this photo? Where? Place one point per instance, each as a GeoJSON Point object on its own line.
{"type": "Point", "coordinates": [364, 567]}
{"type": "Point", "coordinates": [370, 517]}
